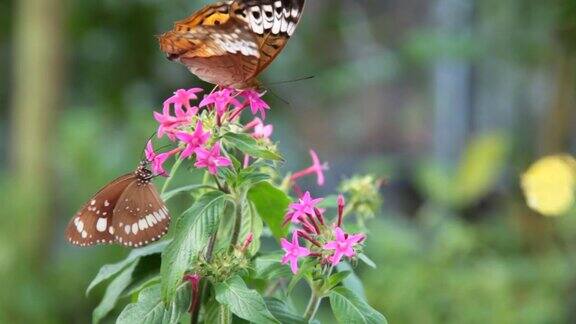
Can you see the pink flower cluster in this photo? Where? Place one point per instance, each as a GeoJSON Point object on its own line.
{"type": "Point", "coordinates": [179, 115]}
{"type": "Point", "coordinates": [328, 243]}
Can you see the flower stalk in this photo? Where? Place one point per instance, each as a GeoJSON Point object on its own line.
{"type": "Point", "coordinates": [237, 224]}
{"type": "Point", "coordinates": [313, 304]}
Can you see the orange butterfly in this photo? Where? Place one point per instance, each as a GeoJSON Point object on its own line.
{"type": "Point", "coordinates": [230, 43]}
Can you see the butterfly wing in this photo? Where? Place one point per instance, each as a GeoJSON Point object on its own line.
{"type": "Point", "coordinates": [140, 216]}
{"type": "Point", "coordinates": [273, 21]}
{"type": "Point", "coordinates": [214, 47]}
{"type": "Point", "coordinates": [92, 224]}
{"type": "Point", "coordinates": [229, 44]}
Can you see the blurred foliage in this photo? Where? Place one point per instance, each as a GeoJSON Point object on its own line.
{"type": "Point", "coordinates": [455, 243]}
{"type": "Point", "coordinates": [476, 174]}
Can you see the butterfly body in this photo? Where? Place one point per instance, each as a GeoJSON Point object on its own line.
{"type": "Point", "coordinates": [231, 43]}
{"type": "Point", "coordinates": [128, 201]}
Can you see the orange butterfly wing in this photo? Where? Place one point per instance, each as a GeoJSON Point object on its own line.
{"type": "Point", "coordinates": [229, 44]}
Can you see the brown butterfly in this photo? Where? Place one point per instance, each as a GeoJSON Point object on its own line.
{"type": "Point", "coordinates": [126, 211]}
{"type": "Point", "coordinates": [230, 43]}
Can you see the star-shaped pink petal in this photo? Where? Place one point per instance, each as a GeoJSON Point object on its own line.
{"type": "Point", "coordinates": [211, 159]}
{"type": "Point", "coordinates": [304, 206]}
{"type": "Point", "coordinates": [254, 100]}
{"type": "Point", "coordinates": [221, 100]}
{"type": "Point", "coordinates": [317, 168]}
{"type": "Point", "coordinates": [293, 251]}
{"type": "Point", "coordinates": [342, 245]}
{"type": "Point", "coordinates": [194, 140]}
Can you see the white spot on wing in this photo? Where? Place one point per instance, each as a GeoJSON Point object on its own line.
{"type": "Point", "coordinates": [142, 224]}
{"type": "Point", "coordinates": [149, 219]}
{"type": "Point", "coordinates": [80, 226]}
{"type": "Point", "coordinates": [256, 24]}
{"type": "Point", "coordinates": [101, 224]}
{"type": "Point", "coordinates": [268, 16]}
{"type": "Point", "coordinates": [135, 228]}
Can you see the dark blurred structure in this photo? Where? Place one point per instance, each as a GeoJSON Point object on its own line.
{"type": "Point", "coordinates": [448, 99]}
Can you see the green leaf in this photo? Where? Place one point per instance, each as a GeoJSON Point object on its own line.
{"type": "Point", "coordinates": [151, 309]}
{"type": "Point", "coordinates": [170, 194]}
{"type": "Point", "coordinates": [243, 302]}
{"type": "Point", "coordinates": [110, 270]}
{"type": "Point", "coordinates": [148, 269]}
{"type": "Point", "coordinates": [337, 278]}
{"type": "Point", "coordinates": [138, 287]}
{"type": "Point", "coordinates": [480, 167]}
{"type": "Point", "coordinates": [251, 223]}
{"type": "Point", "coordinates": [305, 270]}
{"type": "Point", "coordinates": [250, 146]}
{"type": "Point", "coordinates": [352, 281]}
{"type": "Point", "coordinates": [367, 260]}
{"type": "Point", "coordinates": [268, 267]}
{"type": "Point", "coordinates": [349, 308]}
{"type": "Point", "coordinates": [271, 204]}
{"type": "Point", "coordinates": [113, 292]}
{"type": "Point", "coordinates": [249, 177]}
{"type": "Point", "coordinates": [217, 313]}
{"type": "Point", "coordinates": [191, 234]}
{"type": "Point", "coordinates": [284, 313]}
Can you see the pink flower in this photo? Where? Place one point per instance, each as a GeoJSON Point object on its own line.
{"type": "Point", "coordinates": [263, 131]}
{"type": "Point", "coordinates": [343, 245]}
{"type": "Point", "coordinates": [254, 100]}
{"type": "Point", "coordinates": [149, 151]}
{"type": "Point", "coordinates": [305, 205]}
{"type": "Point", "coordinates": [181, 98]}
{"type": "Point", "coordinates": [169, 123]}
{"type": "Point", "coordinates": [194, 140]}
{"type": "Point", "coordinates": [211, 159]}
{"type": "Point", "coordinates": [260, 130]}
{"type": "Point", "coordinates": [317, 168]}
{"type": "Point", "coordinates": [220, 99]}
{"type": "Point", "coordinates": [158, 162]}
{"type": "Point", "coordinates": [293, 252]}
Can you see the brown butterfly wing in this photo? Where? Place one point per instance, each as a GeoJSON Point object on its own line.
{"type": "Point", "coordinates": [229, 44]}
{"type": "Point", "coordinates": [273, 21]}
{"type": "Point", "coordinates": [92, 224]}
{"type": "Point", "coordinates": [214, 46]}
{"type": "Point", "coordinates": [140, 216]}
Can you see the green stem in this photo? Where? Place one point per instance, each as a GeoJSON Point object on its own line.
{"type": "Point", "coordinates": [210, 248]}
{"type": "Point", "coordinates": [172, 173]}
{"type": "Point", "coordinates": [225, 316]}
{"type": "Point", "coordinates": [237, 224]}
{"type": "Point", "coordinates": [313, 304]}
{"type": "Point", "coordinates": [208, 256]}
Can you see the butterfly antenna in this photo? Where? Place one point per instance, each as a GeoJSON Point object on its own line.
{"type": "Point", "coordinates": [276, 95]}
{"type": "Point", "coordinates": [144, 149]}
{"type": "Point", "coordinates": [267, 88]}
{"type": "Point", "coordinates": [293, 80]}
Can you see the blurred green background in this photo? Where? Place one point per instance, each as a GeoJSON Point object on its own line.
{"type": "Point", "coordinates": [448, 100]}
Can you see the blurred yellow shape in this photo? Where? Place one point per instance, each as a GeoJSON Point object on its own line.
{"type": "Point", "coordinates": [549, 184]}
